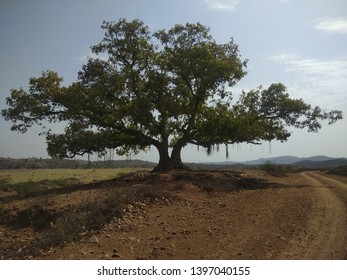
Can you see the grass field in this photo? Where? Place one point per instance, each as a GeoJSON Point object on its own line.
{"type": "Point", "coordinates": [28, 181]}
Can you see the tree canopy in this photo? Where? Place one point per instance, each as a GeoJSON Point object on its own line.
{"type": "Point", "coordinates": [164, 89]}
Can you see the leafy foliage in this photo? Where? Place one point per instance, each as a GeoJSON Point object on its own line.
{"type": "Point", "coordinates": [164, 89]}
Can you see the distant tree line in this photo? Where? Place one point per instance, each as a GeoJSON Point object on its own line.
{"type": "Point", "coordinates": [40, 163]}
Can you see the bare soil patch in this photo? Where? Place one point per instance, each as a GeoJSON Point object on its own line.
{"type": "Point", "coordinates": [246, 214]}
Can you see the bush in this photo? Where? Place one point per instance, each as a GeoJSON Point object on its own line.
{"type": "Point", "coordinates": [276, 169]}
{"type": "Point", "coordinates": [30, 188]}
{"type": "Point", "coordinates": [340, 170]}
{"type": "Point", "coordinates": [5, 184]}
{"type": "Point", "coordinates": [25, 189]}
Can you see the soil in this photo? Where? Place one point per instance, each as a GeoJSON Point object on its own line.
{"type": "Point", "coordinates": [242, 214]}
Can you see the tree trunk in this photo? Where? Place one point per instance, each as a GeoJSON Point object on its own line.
{"type": "Point", "coordinates": [167, 163]}
{"type": "Point", "coordinates": [164, 159]}
{"type": "Point", "coordinates": [176, 158]}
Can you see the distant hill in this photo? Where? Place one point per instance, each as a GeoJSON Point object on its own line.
{"type": "Point", "coordinates": [275, 160]}
{"type": "Point", "coordinates": [331, 163]}
{"type": "Point", "coordinates": [287, 160]}
{"type": "Point", "coordinates": [282, 160]}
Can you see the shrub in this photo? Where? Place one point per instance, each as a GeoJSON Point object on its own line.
{"type": "Point", "coordinates": [25, 189]}
{"type": "Point", "coordinates": [5, 184]}
{"type": "Point", "coordinates": [276, 169]}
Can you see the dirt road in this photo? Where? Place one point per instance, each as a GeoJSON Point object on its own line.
{"type": "Point", "coordinates": [325, 235]}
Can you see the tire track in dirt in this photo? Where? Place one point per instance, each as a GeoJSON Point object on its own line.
{"type": "Point", "coordinates": [326, 234]}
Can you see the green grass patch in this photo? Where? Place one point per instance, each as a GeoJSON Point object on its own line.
{"type": "Point", "coordinates": [25, 189]}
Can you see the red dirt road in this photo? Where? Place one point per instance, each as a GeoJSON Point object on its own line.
{"type": "Point", "coordinates": [325, 236]}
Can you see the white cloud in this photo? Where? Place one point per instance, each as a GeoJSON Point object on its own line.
{"type": "Point", "coordinates": [84, 58]}
{"type": "Point", "coordinates": [321, 81]}
{"type": "Point", "coordinates": [311, 66]}
{"type": "Point", "coordinates": [335, 25]}
{"type": "Point", "coordinates": [222, 5]}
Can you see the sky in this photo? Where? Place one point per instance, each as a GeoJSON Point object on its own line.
{"type": "Point", "coordinates": [301, 43]}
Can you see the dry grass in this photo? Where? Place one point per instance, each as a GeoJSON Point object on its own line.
{"type": "Point", "coordinates": [26, 182]}
{"type": "Point", "coordinates": [82, 175]}
{"type": "Point", "coordinates": [58, 219]}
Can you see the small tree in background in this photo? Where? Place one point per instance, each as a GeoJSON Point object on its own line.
{"type": "Point", "coordinates": [165, 89]}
